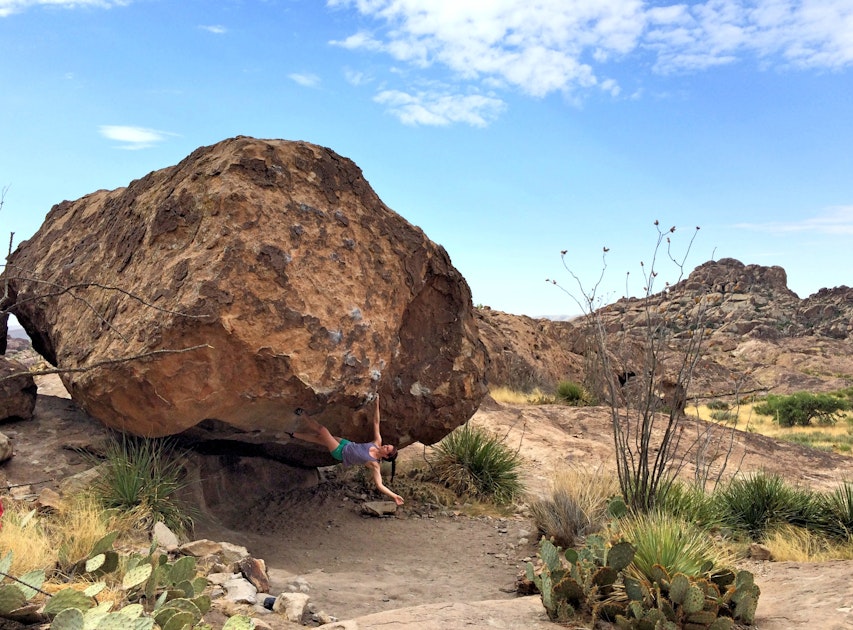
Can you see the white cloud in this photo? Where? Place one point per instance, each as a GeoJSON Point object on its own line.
{"type": "Point", "coordinates": [546, 46]}
{"type": "Point", "coordinates": [133, 138]}
{"type": "Point", "coordinates": [216, 29]}
{"type": "Point", "coordinates": [440, 109]}
{"type": "Point", "coordinates": [8, 7]}
{"type": "Point", "coordinates": [835, 221]}
{"type": "Point", "coordinates": [305, 80]}
{"type": "Point", "coordinates": [356, 78]}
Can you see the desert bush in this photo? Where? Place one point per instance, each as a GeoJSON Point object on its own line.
{"type": "Point", "coordinates": [757, 503]}
{"type": "Point", "coordinates": [727, 417]}
{"type": "Point", "coordinates": [576, 506]}
{"type": "Point", "coordinates": [571, 393]}
{"type": "Point", "coordinates": [718, 405]}
{"type": "Point", "coordinates": [474, 462]}
{"type": "Point", "coordinates": [671, 543]}
{"type": "Point", "coordinates": [801, 408]}
{"type": "Point", "coordinates": [142, 478]}
{"type": "Point", "coordinates": [688, 503]}
{"type": "Point", "coordinates": [797, 544]}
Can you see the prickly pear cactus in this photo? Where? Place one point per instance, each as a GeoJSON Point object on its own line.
{"type": "Point", "coordinates": [68, 619]}
{"type": "Point", "coordinates": [239, 622]}
{"type": "Point", "coordinates": [11, 598]}
{"type": "Point", "coordinates": [67, 598]}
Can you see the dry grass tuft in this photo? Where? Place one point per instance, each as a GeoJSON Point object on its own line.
{"type": "Point", "coordinates": [506, 395]}
{"type": "Point", "coordinates": [577, 505]}
{"type": "Point", "coordinates": [797, 544]}
{"type": "Point", "coordinates": [24, 534]}
{"type": "Point", "coordinates": [54, 541]}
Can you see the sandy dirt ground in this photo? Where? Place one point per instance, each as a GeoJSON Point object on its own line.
{"type": "Point", "coordinates": [432, 568]}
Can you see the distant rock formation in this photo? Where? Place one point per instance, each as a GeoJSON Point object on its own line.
{"type": "Point", "coordinates": [759, 334]}
{"type": "Point", "coordinates": [302, 287]}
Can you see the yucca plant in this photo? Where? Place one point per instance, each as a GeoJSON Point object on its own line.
{"type": "Point", "coordinates": [837, 512]}
{"type": "Point", "coordinates": [759, 502]}
{"type": "Point", "coordinates": [474, 462]}
{"type": "Point", "coordinates": [142, 477]}
{"type": "Point", "coordinates": [670, 542]}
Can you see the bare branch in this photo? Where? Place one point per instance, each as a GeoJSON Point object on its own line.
{"type": "Point", "coordinates": [98, 364]}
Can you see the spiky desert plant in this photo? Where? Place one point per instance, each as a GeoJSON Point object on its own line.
{"type": "Point", "coordinates": [475, 462]}
{"type": "Point", "coordinates": [142, 477]}
{"type": "Point", "coordinates": [663, 540]}
{"type": "Point", "coordinates": [689, 503]}
{"type": "Point", "coordinates": [837, 512]}
{"type": "Point", "coordinates": [571, 393]}
{"type": "Point", "coordinates": [756, 503]}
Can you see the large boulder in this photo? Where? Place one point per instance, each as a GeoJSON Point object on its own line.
{"type": "Point", "coordinates": [253, 278]}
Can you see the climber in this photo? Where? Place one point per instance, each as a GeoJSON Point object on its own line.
{"type": "Point", "coordinates": [354, 453]}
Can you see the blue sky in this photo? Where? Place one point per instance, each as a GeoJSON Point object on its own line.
{"type": "Point", "coordinates": [509, 130]}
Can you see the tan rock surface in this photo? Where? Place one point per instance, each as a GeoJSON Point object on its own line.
{"type": "Point", "coordinates": [301, 286]}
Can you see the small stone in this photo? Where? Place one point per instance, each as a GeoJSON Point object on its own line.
{"type": "Point", "coordinates": [379, 508]}
{"type": "Point", "coordinates": [757, 551]}
{"type": "Point", "coordinates": [164, 537]}
{"type": "Point", "coordinates": [200, 548]}
{"type": "Point", "coordinates": [291, 605]}
{"type": "Point", "coordinates": [49, 499]}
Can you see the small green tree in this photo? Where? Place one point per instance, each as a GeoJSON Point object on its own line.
{"type": "Point", "coordinates": [801, 408]}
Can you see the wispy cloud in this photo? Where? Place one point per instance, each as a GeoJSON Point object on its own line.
{"type": "Point", "coordinates": [8, 7]}
{"type": "Point", "coordinates": [835, 221]}
{"type": "Point", "coordinates": [557, 46]}
{"type": "Point", "coordinates": [216, 29]}
{"type": "Point", "coordinates": [440, 109]}
{"type": "Point", "coordinates": [134, 138]}
{"type": "Point", "coordinates": [305, 80]}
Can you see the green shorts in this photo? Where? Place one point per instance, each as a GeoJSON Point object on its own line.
{"type": "Point", "coordinates": [338, 452]}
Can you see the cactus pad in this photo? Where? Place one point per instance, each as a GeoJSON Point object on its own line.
{"type": "Point", "coordinates": [722, 623]}
{"type": "Point", "coordinates": [183, 569]}
{"type": "Point", "coordinates": [136, 576]}
{"type": "Point", "coordinates": [179, 620]}
{"type": "Point", "coordinates": [678, 588]}
{"type": "Point", "coordinates": [11, 597]}
{"type": "Point", "coordinates": [745, 609]}
{"type": "Point", "coordinates": [104, 544]}
{"type": "Point", "coordinates": [68, 598]}
{"type": "Point", "coordinates": [694, 600]}
{"type": "Point", "coordinates": [68, 619]}
{"type": "Point", "coordinates": [239, 622]}
{"type": "Point", "coordinates": [620, 556]}
{"type": "Point", "coordinates": [549, 554]}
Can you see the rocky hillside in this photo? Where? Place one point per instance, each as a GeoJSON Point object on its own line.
{"type": "Point", "coordinates": [759, 334]}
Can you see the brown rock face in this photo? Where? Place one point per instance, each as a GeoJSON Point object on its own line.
{"type": "Point", "coordinates": [17, 393]}
{"type": "Point", "coordinates": [278, 258]}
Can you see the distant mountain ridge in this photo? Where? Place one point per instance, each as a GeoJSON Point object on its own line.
{"type": "Point", "coordinates": [756, 327]}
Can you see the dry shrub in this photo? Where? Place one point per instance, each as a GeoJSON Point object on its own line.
{"type": "Point", "coordinates": [54, 540]}
{"type": "Point", "coordinates": [23, 533]}
{"type": "Point", "coordinates": [798, 544]}
{"type": "Point", "coordinates": [577, 505]}
{"type": "Point", "coordinates": [510, 396]}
